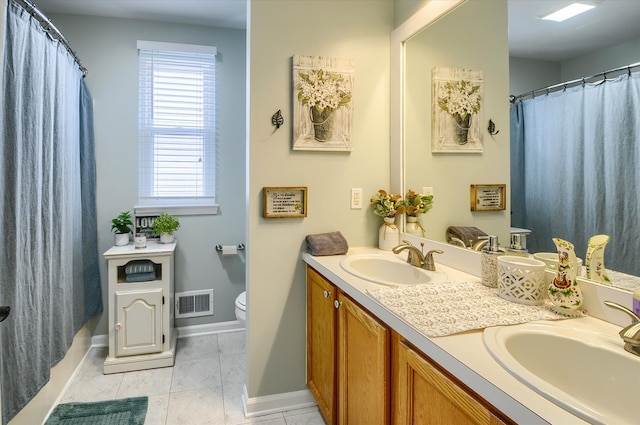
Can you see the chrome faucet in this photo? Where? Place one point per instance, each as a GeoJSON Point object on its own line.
{"type": "Point", "coordinates": [631, 334]}
{"type": "Point", "coordinates": [415, 256]}
{"type": "Point", "coordinates": [457, 242]}
{"type": "Point", "coordinates": [478, 246]}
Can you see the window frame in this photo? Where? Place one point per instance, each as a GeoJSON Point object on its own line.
{"type": "Point", "coordinates": [149, 204]}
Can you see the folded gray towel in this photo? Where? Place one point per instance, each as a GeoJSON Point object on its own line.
{"type": "Point", "coordinates": [468, 235]}
{"type": "Point", "coordinates": [332, 243]}
{"type": "Point", "coordinates": [139, 266]}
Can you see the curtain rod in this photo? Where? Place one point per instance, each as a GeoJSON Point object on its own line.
{"type": "Point", "coordinates": [583, 81]}
{"type": "Point", "coordinates": [51, 29]}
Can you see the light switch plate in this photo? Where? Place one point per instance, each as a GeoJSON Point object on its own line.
{"type": "Point", "coordinates": [427, 190]}
{"type": "Point", "coordinates": [356, 198]}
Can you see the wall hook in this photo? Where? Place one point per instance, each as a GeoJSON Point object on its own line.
{"type": "Point", "coordinates": [492, 128]}
{"type": "Point", "coordinates": [277, 119]}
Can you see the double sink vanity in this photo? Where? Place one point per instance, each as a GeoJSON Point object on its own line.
{"type": "Point", "coordinates": [368, 363]}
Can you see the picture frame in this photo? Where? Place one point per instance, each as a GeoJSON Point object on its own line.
{"type": "Point", "coordinates": [488, 197]}
{"type": "Point", "coordinates": [284, 202]}
{"type": "Point", "coordinates": [457, 96]}
{"type": "Point", "coordinates": [143, 225]}
{"type": "Point", "coordinates": [322, 103]}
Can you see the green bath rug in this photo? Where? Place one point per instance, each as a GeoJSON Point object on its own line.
{"type": "Point", "coordinates": [127, 411]}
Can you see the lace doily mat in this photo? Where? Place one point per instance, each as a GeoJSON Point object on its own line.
{"type": "Point", "coordinates": [439, 309]}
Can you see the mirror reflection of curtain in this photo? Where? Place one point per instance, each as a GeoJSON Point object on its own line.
{"type": "Point", "coordinates": [575, 168]}
{"type": "Point", "coordinates": [48, 259]}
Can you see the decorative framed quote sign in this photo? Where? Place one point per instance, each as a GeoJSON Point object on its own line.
{"type": "Point", "coordinates": [284, 202]}
{"type": "Point", "coordinates": [488, 197]}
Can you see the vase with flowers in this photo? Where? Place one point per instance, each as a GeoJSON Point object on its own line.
{"type": "Point", "coordinates": [323, 92]}
{"type": "Point", "coordinates": [416, 204]}
{"type": "Point", "coordinates": [460, 99]}
{"type": "Point", "coordinates": [388, 206]}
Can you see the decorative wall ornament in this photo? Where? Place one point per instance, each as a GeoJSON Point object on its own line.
{"type": "Point", "coordinates": [457, 110]}
{"type": "Point", "coordinates": [322, 103]}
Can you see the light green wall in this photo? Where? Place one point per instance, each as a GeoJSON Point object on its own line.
{"type": "Point", "coordinates": [526, 75]}
{"type": "Point", "coordinates": [473, 36]}
{"type": "Point", "coordinates": [403, 9]}
{"type": "Point", "coordinates": [358, 30]}
{"type": "Point", "coordinates": [107, 48]}
{"type": "Point", "coordinates": [613, 57]}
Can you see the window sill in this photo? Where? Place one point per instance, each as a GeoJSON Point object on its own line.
{"type": "Point", "coordinates": [177, 210]}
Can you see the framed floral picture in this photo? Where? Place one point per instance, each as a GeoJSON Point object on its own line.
{"type": "Point", "coordinates": [457, 110]}
{"type": "Point", "coordinates": [322, 103]}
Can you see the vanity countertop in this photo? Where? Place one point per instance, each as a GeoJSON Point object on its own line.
{"type": "Point", "coordinates": [464, 354]}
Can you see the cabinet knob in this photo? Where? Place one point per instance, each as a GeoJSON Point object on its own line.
{"type": "Point", "coordinates": [118, 326]}
{"type": "Point", "coordinates": [327, 294]}
{"type": "Point", "coordinates": [337, 304]}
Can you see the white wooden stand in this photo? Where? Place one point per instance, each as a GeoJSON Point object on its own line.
{"type": "Point", "coordinates": [141, 322]}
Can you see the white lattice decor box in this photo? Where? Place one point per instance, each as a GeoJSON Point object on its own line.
{"type": "Point", "coordinates": [521, 279]}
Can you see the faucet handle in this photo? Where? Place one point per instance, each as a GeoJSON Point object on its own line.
{"type": "Point", "coordinates": [634, 317]}
{"type": "Point", "coordinates": [429, 264]}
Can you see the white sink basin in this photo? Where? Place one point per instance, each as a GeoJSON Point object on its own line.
{"type": "Point", "coordinates": [388, 270]}
{"type": "Point", "coordinates": [587, 373]}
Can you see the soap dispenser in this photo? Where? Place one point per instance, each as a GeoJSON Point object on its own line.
{"type": "Point", "coordinates": [489, 263]}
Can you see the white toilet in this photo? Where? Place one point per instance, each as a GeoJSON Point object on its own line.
{"type": "Point", "coordinates": [241, 308]}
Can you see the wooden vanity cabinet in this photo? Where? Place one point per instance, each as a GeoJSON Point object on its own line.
{"type": "Point", "coordinates": [321, 343]}
{"type": "Point", "coordinates": [348, 357]}
{"type": "Point", "coordinates": [425, 394]}
{"type": "Point", "coordinates": [362, 372]}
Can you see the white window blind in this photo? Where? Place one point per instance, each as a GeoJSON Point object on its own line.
{"type": "Point", "coordinates": [176, 124]}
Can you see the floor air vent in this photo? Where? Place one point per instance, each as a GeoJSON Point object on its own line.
{"type": "Point", "coordinates": [194, 303]}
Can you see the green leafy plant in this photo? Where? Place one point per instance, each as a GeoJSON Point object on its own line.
{"type": "Point", "coordinates": [387, 205]}
{"type": "Point", "coordinates": [165, 223]}
{"type": "Point", "coordinates": [417, 203]}
{"type": "Point", "coordinates": [121, 223]}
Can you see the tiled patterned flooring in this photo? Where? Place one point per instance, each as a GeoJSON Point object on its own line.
{"type": "Point", "coordinates": [203, 388]}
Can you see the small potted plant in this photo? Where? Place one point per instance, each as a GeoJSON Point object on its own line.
{"type": "Point", "coordinates": [416, 204]}
{"type": "Point", "coordinates": [164, 226]}
{"type": "Point", "coordinates": [387, 206]}
{"type": "Point", "coordinates": [120, 226]}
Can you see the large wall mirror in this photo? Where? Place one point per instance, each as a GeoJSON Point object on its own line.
{"type": "Point", "coordinates": [428, 39]}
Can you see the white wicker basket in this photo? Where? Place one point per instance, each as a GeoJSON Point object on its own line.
{"type": "Point", "coordinates": [521, 279]}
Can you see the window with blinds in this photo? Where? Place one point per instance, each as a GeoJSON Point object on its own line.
{"type": "Point", "coordinates": [177, 124]}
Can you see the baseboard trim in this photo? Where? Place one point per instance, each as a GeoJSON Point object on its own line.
{"type": "Point", "coordinates": [209, 328]}
{"type": "Point", "coordinates": [183, 332]}
{"type": "Point", "coordinates": [275, 403]}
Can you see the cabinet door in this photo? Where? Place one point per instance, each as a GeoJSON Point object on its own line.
{"type": "Point", "coordinates": [363, 366]}
{"type": "Point", "coordinates": [321, 343]}
{"type": "Point", "coordinates": [138, 322]}
{"type": "Point", "coordinates": [426, 396]}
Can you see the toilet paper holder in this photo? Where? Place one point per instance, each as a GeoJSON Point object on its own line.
{"type": "Point", "coordinates": [240, 247]}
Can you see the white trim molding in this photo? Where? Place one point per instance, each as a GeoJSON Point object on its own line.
{"type": "Point", "coordinates": [275, 403]}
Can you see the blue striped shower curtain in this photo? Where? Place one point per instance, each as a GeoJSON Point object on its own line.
{"type": "Point", "coordinates": [48, 253]}
{"type": "Point", "coordinates": [575, 168]}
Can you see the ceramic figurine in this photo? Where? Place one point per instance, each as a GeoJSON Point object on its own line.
{"type": "Point", "coordinates": [595, 259]}
{"type": "Point", "coordinates": [564, 292]}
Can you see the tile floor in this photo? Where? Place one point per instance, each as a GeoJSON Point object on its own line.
{"type": "Point", "coordinates": [204, 387]}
